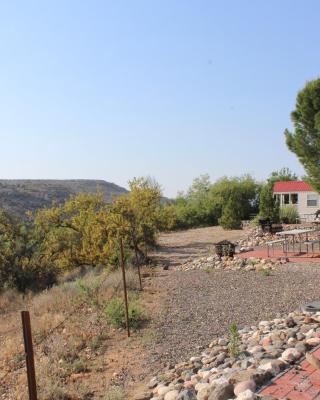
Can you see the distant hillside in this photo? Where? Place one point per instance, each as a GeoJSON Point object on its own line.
{"type": "Point", "coordinates": [19, 196]}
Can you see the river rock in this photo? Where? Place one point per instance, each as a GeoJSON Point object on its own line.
{"type": "Point", "coordinates": [163, 390]}
{"type": "Point", "coordinates": [222, 392]}
{"type": "Point", "coordinates": [172, 395]}
{"type": "Point", "coordinates": [187, 395]}
{"type": "Point", "coordinates": [290, 355]}
{"type": "Point", "coordinates": [243, 386]}
{"type": "Point", "coordinates": [247, 395]}
{"type": "Point", "coordinates": [153, 383]}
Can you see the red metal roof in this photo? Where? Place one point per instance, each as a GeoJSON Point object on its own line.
{"type": "Point", "coordinates": [292, 186]}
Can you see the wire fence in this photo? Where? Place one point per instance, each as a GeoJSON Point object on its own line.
{"type": "Point", "coordinates": [27, 335]}
{"type": "Point", "coordinates": [61, 323]}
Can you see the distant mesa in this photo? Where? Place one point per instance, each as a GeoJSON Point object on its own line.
{"type": "Point", "coordinates": [21, 195]}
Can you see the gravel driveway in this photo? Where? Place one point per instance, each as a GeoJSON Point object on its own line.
{"type": "Point", "coordinates": [200, 305]}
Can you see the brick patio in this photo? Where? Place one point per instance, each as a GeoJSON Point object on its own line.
{"type": "Point", "coordinates": [296, 384]}
{"type": "Point", "coordinates": [293, 257]}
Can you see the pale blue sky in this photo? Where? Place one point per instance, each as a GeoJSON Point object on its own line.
{"type": "Point", "coordinates": [172, 89]}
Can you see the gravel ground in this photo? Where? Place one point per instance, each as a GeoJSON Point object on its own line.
{"type": "Point", "coordinates": [200, 305]}
{"type": "Point", "coordinates": [176, 248]}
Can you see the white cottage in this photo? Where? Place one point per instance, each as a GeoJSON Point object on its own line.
{"type": "Point", "coordinates": [300, 194]}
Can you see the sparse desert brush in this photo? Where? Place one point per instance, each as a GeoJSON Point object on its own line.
{"type": "Point", "coordinates": [69, 332]}
{"type": "Point", "coordinates": [58, 298]}
{"type": "Point", "coordinates": [265, 272]}
{"type": "Point", "coordinates": [97, 342]}
{"type": "Point", "coordinates": [11, 299]}
{"type": "Point", "coordinates": [11, 349]}
{"type": "Point", "coordinates": [115, 393]}
{"type": "Point", "coordinates": [115, 313]}
{"type": "Point", "coordinates": [114, 279]}
{"type": "Point", "coordinates": [150, 336]}
{"type": "Point", "coordinates": [42, 324]}
{"type": "Point", "coordinates": [52, 386]}
{"type": "Point", "coordinates": [52, 391]}
{"type": "Point", "coordinates": [79, 366]}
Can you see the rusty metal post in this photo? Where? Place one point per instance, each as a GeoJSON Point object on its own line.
{"type": "Point", "coordinates": [27, 337]}
{"type": "Point", "coordinates": [124, 287]}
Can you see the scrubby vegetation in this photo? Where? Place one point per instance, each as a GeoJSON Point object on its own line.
{"type": "Point", "coordinates": [83, 231]}
{"type": "Point", "coordinates": [227, 202]}
{"type": "Point", "coordinates": [288, 214]}
{"type": "Point", "coordinates": [71, 334]}
{"type": "Point", "coordinates": [115, 313]}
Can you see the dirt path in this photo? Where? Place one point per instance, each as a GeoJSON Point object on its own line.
{"type": "Point", "coordinates": [178, 247]}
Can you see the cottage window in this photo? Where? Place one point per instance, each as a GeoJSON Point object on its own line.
{"type": "Point", "coordinates": [294, 198]}
{"type": "Point", "coordinates": [286, 198]}
{"type": "Point", "coordinates": [312, 200]}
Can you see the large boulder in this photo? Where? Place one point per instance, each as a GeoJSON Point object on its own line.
{"type": "Point", "coordinates": [222, 392]}
{"type": "Point", "coordinates": [243, 386]}
{"type": "Point", "coordinates": [187, 395]}
{"type": "Point", "coordinates": [247, 395]}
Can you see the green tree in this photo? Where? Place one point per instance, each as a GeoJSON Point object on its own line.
{"type": "Point", "coordinates": [244, 190]}
{"type": "Point", "coordinates": [268, 206]}
{"type": "Point", "coordinates": [204, 203]}
{"type": "Point", "coordinates": [283, 174]}
{"type": "Point", "coordinates": [84, 230]}
{"type": "Point", "coordinates": [231, 215]}
{"type": "Point", "coordinates": [304, 141]}
{"type": "Point", "coordinates": [143, 213]}
{"type": "Point", "coordinates": [75, 233]}
{"type": "Point", "coordinates": [21, 263]}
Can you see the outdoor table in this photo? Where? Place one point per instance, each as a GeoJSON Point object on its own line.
{"type": "Point", "coordinates": [294, 233]}
{"type": "Point", "coordinates": [316, 225]}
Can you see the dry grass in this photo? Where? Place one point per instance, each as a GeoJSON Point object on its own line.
{"type": "Point", "coordinates": [65, 353]}
{"type": "Point", "coordinates": [10, 300]}
{"type": "Point", "coordinates": [115, 393]}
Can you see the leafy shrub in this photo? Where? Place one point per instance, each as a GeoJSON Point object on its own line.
{"type": "Point", "coordinates": [115, 313]}
{"type": "Point", "coordinates": [289, 214]}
